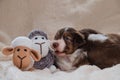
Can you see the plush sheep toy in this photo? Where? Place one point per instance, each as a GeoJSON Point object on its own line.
{"type": "Point", "coordinates": [42, 44]}
{"type": "Point", "coordinates": [23, 54]}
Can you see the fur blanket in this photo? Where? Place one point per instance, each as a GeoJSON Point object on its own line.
{"type": "Point", "coordinates": [9, 72]}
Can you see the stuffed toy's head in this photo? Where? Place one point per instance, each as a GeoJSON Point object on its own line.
{"type": "Point", "coordinates": [23, 54]}
{"type": "Point", "coordinates": [40, 42]}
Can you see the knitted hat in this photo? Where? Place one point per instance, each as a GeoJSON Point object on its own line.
{"type": "Point", "coordinates": [22, 41]}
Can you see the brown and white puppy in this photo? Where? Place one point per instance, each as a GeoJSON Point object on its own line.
{"type": "Point", "coordinates": [67, 45]}
{"type": "Point", "coordinates": [73, 48]}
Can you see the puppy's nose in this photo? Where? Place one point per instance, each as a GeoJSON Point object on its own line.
{"type": "Point", "coordinates": [55, 45]}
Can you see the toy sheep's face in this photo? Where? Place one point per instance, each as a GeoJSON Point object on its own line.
{"type": "Point", "coordinates": [23, 57]}
{"type": "Point", "coordinates": [41, 44]}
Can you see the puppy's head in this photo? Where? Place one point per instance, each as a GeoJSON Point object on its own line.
{"type": "Point", "coordinates": [66, 41]}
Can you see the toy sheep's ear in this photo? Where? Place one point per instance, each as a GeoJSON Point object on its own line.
{"type": "Point", "coordinates": [7, 50]}
{"type": "Point", "coordinates": [35, 55]}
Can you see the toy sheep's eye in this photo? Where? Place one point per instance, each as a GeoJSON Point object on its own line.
{"type": "Point", "coordinates": [18, 49]}
{"type": "Point", "coordinates": [25, 50]}
{"type": "Point", "coordinates": [43, 38]}
{"type": "Point", "coordinates": [36, 38]}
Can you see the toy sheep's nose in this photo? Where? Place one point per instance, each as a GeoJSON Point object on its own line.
{"type": "Point", "coordinates": [55, 45]}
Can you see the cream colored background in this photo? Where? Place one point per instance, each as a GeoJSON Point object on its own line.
{"type": "Point", "coordinates": [19, 17]}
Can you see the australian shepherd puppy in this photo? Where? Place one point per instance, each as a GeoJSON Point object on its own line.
{"type": "Point", "coordinates": [75, 48]}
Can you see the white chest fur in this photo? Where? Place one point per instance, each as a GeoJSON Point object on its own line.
{"type": "Point", "coordinates": [66, 62]}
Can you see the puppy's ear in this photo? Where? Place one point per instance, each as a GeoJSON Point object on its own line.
{"type": "Point", "coordinates": [35, 55]}
{"type": "Point", "coordinates": [79, 39]}
{"type": "Point", "coordinates": [7, 50]}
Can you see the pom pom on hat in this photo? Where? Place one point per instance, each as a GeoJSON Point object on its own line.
{"type": "Point", "coordinates": [22, 41]}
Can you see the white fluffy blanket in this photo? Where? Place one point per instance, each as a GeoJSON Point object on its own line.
{"type": "Point", "coordinates": [9, 72]}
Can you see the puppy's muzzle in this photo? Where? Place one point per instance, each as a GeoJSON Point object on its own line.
{"type": "Point", "coordinates": [55, 45]}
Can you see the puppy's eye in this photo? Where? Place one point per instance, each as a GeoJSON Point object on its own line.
{"type": "Point", "coordinates": [18, 49]}
{"type": "Point", "coordinates": [68, 38]}
{"type": "Point", "coordinates": [25, 50]}
{"type": "Point", "coordinates": [36, 38]}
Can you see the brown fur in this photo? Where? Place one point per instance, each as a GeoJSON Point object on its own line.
{"type": "Point", "coordinates": [102, 54]}
{"type": "Point", "coordinates": [72, 38]}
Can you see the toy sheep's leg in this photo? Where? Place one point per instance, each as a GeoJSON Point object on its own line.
{"type": "Point", "coordinates": [31, 69]}
{"type": "Point", "coordinates": [52, 68]}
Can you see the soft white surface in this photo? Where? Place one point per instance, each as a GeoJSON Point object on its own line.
{"type": "Point", "coordinates": [97, 37]}
{"type": "Point", "coordinates": [9, 72]}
